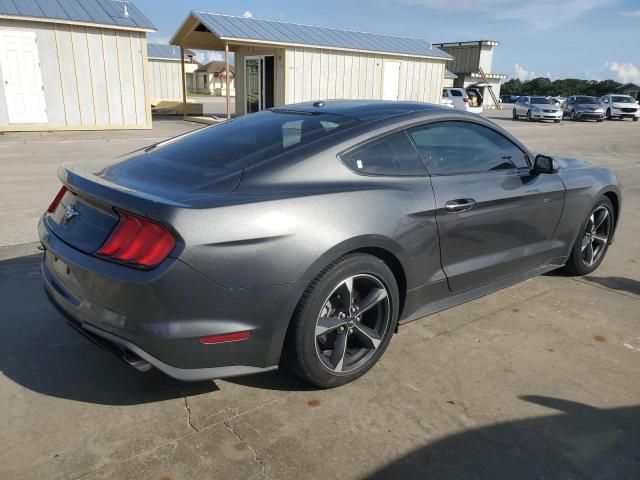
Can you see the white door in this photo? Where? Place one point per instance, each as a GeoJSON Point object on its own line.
{"type": "Point", "coordinates": [22, 77]}
{"type": "Point", "coordinates": [390, 80]}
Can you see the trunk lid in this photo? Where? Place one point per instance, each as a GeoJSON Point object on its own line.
{"type": "Point", "coordinates": [87, 212]}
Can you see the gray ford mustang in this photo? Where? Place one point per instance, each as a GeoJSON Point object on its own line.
{"type": "Point", "coordinates": [304, 235]}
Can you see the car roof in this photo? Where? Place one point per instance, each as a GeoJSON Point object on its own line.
{"type": "Point", "coordinates": [364, 110]}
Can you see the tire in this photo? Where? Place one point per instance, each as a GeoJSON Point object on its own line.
{"type": "Point", "coordinates": [556, 121]}
{"type": "Point", "coordinates": [572, 116]}
{"type": "Point", "coordinates": [514, 115]}
{"type": "Point", "coordinates": [635, 119]}
{"type": "Point", "coordinates": [590, 240]}
{"type": "Point", "coordinates": [600, 120]}
{"type": "Point", "coordinates": [315, 356]}
{"type": "Point", "coordinates": [529, 116]}
{"type": "Point", "coordinates": [608, 114]}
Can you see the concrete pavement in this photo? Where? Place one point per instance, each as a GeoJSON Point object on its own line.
{"type": "Point", "coordinates": [537, 381]}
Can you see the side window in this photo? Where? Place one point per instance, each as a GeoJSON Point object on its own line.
{"type": "Point", "coordinates": [456, 93]}
{"type": "Point", "coordinates": [392, 155]}
{"type": "Point", "coordinates": [450, 148]}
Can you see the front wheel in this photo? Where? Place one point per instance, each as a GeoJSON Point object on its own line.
{"type": "Point", "coordinates": [529, 116]}
{"type": "Point", "coordinates": [514, 115]}
{"type": "Point", "coordinates": [343, 322]}
{"type": "Point", "coordinates": [573, 115]}
{"type": "Point", "coordinates": [635, 119]}
{"type": "Point", "coordinates": [593, 239]}
{"type": "Point", "coordinates": [608, 114]}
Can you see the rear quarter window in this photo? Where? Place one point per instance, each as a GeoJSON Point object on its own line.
{"type": "Point", "coordinates": [391, 155]}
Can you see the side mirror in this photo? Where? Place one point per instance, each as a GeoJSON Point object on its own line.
{"type": "Point", "coordinates": [544, 164]}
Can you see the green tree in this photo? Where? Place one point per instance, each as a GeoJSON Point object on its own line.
{"type": "Point", "coordinates": [562, 87]}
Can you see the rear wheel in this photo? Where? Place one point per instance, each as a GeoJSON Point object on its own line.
{"type": "Point", "coordinates": [343, 322]}
{"type": "Point", "coordinates": [593, 239]}
{"type": "Point", "coordinates": [514, 114]}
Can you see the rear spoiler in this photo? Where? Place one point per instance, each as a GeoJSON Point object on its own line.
{"type": "Point", "coordinates": [90, 186]}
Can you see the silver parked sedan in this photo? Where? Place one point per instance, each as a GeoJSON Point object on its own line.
{"type": "Point", "coordinates": [303, 235]}
{"type": "Point", "coordinates": [537, 108]}
{"type": "Point", "coordinates": [580, 107]}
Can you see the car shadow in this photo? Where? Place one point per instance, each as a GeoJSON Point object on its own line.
{"type": "Point", "coordinates": [580, 442]}
{"type": "Point", "coordinates": [39, 351]}
{"type": "Point", "coordinates": [621, 284]}
{"type": "Point", "coordinates": [281, 379]}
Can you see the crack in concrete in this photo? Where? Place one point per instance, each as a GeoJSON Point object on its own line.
{"type": "Point", "coordinates": [256, 457]}
{"type": "Point", "coordinates": [185, 398]}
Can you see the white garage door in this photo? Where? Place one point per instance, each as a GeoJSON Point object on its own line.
{"type": "Point", "coordinates": [22, 77]}
{"type": "Point", "coordinates": [390, 80]}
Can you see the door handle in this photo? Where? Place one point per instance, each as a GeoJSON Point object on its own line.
{"type": "Point", "coordinates": [460, 205]}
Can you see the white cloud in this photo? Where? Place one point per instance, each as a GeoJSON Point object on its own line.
{"type": "Point", "coordinates": [522, 74]}
{"type": "Point", "coordinates": [625, 72]}
{"type": "Point", "coordinates": [634, 13]}
{"type": "Point", "coordinates": [247, 14]}
{"type": "Point", "coordinates": [538, 14]}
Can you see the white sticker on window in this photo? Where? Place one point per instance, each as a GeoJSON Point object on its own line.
{"type": "Point", "coordinates": [359, 163]}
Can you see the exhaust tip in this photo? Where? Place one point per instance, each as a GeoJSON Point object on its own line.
{"type": "Point", "coordinates": [136, 362]}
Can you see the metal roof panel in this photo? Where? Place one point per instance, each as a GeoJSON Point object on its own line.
{"type": "Point", "coordinates": [241, 28]}
{"type": "Point", "coordinates": [101, 12]}
{"type": "Point", "coordinates": [168, 52]}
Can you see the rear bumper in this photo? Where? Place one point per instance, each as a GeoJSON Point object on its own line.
{"type": "Point", "coordinates": [160, 315]}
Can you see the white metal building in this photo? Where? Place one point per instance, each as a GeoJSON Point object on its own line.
{"type": "Point", "coordinates": [279, 63]}
{"type": "Point", "coordinates": [165, 73]}
{"type": "Point", "coordinates": [449, 79]}
{"type": "Point", "coordinates": [470, 61]}
{"type": "Point", "coordinates": [71, 65]}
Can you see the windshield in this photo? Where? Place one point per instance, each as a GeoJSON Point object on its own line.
{"type": "Point", "coordinates": [620, 99]}
{"type": "Point", "coordinates": [541, 101]}
{"type": "Point", "coordinates": [243, 142]}
{"type": "Point", "coordinates": [586, 100]}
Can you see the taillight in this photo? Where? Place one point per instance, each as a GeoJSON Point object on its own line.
{"type": "Point", "coordinates": [138, 241]}
{"type": "Point", "coordinates": [57, 199]}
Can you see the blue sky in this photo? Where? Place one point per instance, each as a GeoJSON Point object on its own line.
{"type": "Point", "coordinates": [594, 39]}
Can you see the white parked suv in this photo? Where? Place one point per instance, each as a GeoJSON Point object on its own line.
{"type": "Point", "coordinates": [620, 106]}
{"type": "Point", "coordinates": [462, 101]}
{"type": "Point", "coordinates": [537, 108]}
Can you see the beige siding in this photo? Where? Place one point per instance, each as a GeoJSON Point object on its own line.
{"type": "Point", "coordinates": [164, 80]}
{"type": "Point", "coordinates": [314, 74]}
{"type": "Point", "coordinates": [94, 78]}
